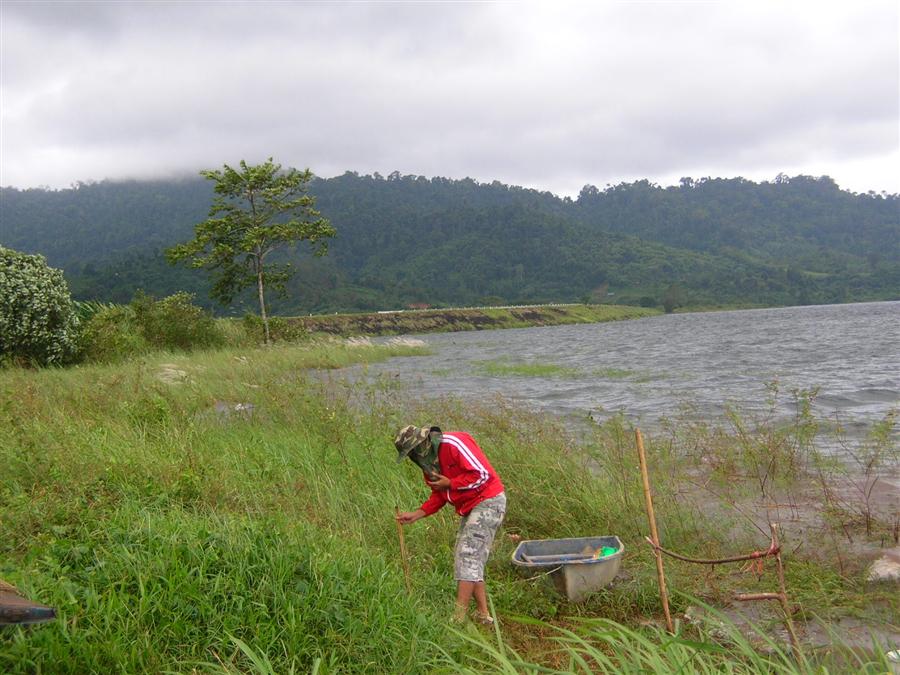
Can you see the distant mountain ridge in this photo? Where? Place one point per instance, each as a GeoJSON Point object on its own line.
{"type": "Point", "coordinates": [409, 239]}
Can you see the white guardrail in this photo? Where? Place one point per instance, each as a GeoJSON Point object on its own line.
{"type": "Point", "coordinates": [450, 309]}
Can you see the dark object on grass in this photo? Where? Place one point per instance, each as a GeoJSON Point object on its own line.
{"type": "Point", "coordinates": [15, 609]}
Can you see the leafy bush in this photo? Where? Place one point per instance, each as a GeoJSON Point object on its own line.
{"type": "Point", "coordinates": [175, 323]}
{"type": "Point", "coordinates": [112, 334]}
{"type": "Point", "coordinates": [86, 309]}
{"type": "Point", "coordinates": [235, 333]}
{"type": "Point", "coordinates": [37, 321]}
{"type": "Point", "coordinates": [280, 329]}
{"type": "Point", "coordinates": [116, 332]}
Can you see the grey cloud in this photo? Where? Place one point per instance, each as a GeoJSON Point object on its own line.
{"type": "Point", "coordinates": [99, 18]}
{"type": "Point", "coordinates": [524, 93]}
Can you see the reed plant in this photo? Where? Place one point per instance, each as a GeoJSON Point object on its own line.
{"type": "Point", "coordinates": [599, 645]}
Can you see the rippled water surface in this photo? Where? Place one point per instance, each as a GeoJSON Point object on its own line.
{"type": "Point", "coordinates": [649, 368]}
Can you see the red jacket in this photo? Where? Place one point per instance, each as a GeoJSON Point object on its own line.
{"type": "Point", "coordinates": [472, 478]}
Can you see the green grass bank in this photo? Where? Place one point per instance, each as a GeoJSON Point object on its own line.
{"type": "Point", "coordinates": [447, 320]}
{"type": "Point", "coordinates": [232, 511]}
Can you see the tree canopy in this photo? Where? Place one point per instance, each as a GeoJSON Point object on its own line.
{"type": "Point", "coordinates": [255, 210]}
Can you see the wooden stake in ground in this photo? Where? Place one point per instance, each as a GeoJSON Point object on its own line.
{"type": "Point", "coordinates": [403, 557]}
{"type": "Point", "coordinates": [660, 573]}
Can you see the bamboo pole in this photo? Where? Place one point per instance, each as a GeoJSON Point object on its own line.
{"type": "Point", "coordinates": [654, 536]}
{"type": "Point", "coordinates": [403, 556]}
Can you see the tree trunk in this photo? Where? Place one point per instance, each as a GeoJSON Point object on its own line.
{"type": "Point", "coordinates": [262, 300]}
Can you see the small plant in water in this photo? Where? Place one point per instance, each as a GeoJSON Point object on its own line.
{"type": "Point", "coordinates": [871, 456]}
{"type": "Point", "coordinates": [505, 368]}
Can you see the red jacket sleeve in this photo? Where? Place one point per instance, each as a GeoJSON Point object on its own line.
{"type": "Point", "coordinates": [434, 503]}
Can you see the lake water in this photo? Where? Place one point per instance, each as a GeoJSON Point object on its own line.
{"type": "Point", "coordinates": [649, 369]}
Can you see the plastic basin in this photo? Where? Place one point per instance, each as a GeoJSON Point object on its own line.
{"type": "Point", "coordinates": [570, 563]}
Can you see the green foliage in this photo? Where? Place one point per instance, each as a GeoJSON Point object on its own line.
{"type": "Point", "coordinates": [175, 323]}
{"type": "Point", "coordinates": [37, 319]}
{"type": "Point", "coordinates": [85, 310]}
{"type": "Point", "coordinates": [117, 332]}
{"type": "Point", "coordinates": [280, 329]}
{"type": "Point", "coordinates": [673, 298]}
{"type": "Point", "coordinates": [722, 241]}
{"type": "Point", "coordinates": [256, 210]}
{"type": "Point", "coordinates": [503, 368]}
{"type": "Point", "coordinates": [112, 334]}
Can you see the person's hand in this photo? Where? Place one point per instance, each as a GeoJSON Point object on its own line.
{"type": "Point", "coordinates": [407, 517]}
{"type": "Point", "coordinates": [438, 482]}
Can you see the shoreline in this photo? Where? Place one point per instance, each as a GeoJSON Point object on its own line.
{"type": "Point", "coordinates": [404, 322]}
{"type": "Point", "coordinates": [449, 320]}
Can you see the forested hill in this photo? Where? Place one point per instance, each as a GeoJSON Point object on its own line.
{"type": "Point", "coordinates": [408, 239]}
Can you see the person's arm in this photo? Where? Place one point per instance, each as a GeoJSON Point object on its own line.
{"type": "Point", "coordinates": [407, 517]}
{"type": "Point", "coordinates": [434, 503]}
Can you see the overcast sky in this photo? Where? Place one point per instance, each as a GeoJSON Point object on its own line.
{"type": "Point", "coordinates": [550, 95]}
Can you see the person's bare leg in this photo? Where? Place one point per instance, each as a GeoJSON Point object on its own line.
{"type": "Point", "coordinates": [481, 599]}
{"type": "Point", "coordinates": [464, 590]}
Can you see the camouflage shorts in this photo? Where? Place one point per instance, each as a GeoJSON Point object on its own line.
{"type": "Point", "coordinates": [475, 536]}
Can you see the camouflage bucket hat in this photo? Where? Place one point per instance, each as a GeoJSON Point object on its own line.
{"type": "Point", "coordinates": [408, 439]}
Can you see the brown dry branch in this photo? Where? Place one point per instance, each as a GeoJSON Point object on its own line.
{"type": "Point", "coordinates": [715, 561]}
{"type": "Point", "coordinates": [773, 550]}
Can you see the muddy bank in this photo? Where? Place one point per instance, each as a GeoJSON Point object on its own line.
{"type": "Point", "coordinates": [452, 320]}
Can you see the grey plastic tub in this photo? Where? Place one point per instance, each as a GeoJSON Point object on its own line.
{"type": "Point", "coordinates": [570, 563]}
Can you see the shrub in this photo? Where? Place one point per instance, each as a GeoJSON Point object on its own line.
{"type": "Point", "coordinates": [85, 310]}
{"type": "Point", "coordinates": [280, 329]}
{"type": "Point", "coordinates": [175, 322]}
{"type": "Point", "coordinates": [235, 333]}
{"type": "Point", "coordinates": [37, 321]}
{"type": "Point", "coordinates": [112, 334]}
{"type": "Point", "coordinates": [116, 332]}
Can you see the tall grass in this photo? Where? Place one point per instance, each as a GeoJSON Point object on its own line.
{"type": "Point", "coordinates": [597, 645]}
{"type": "Point", "coordinates": [232, 511]}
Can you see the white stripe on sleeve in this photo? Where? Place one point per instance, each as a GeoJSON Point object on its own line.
{"type": "Point", "coordinates": [466, 452]}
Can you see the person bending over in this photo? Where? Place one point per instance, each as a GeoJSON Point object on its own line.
{"type": "Point", "coordinates": [457, 471]}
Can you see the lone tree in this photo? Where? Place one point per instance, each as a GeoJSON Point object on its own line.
{"type": "Point", "coordinates": [673, 298]}
{"type": "Point", "coordinates": [256, 210]}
